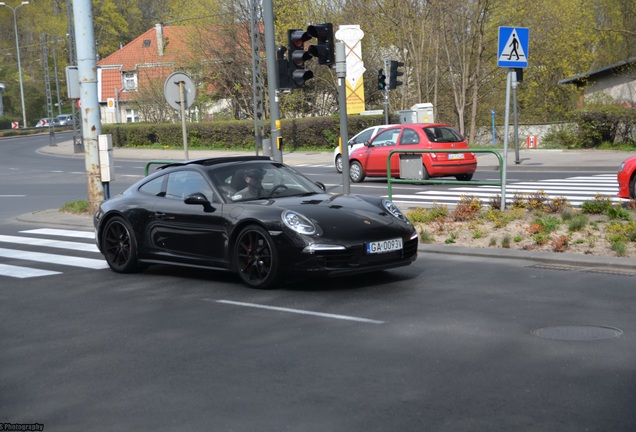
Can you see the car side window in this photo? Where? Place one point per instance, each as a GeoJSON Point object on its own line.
{"type": "Point", "coordinates": [363, 137]}
{"type": "Point", "coordinates": [182, 184]}
{"type": "Point", "coordinates": [153, 187]}
{"type": "Point", "coordinates": [409, 137]}
{"type": "Point", "coordinates": [386, 138]}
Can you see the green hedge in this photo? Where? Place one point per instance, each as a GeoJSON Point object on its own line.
{"type": "Point", "coordinates": [313, 132]}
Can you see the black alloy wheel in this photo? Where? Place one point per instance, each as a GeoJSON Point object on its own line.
{"type": "Point", "coordinates": [256, 258]}
{"type": "Point", "coordinates": [632, 187]}
{"type": "Point", "coordinates": [119, 246]}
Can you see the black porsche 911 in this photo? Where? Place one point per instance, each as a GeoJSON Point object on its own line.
{"type": "Point", "coordinates": [259, 218]}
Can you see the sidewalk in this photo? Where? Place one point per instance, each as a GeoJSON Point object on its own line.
{"type": "Point", "coordinates": [529, 159]}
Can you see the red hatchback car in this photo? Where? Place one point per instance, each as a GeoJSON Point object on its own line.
{"type": "Point", "coordinates": [371, 160]}
{"type": "Point", "coordinates": [627, 179]}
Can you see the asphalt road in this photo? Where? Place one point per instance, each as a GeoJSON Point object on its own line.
{"type": "Point", "coordinates": [446, 344]}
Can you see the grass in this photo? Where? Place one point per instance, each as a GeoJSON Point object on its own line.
{"type": "Point", "coordinates": [75, 207]}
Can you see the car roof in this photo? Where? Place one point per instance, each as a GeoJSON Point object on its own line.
{"type": "Point", "coordinates": [216, 161]}
{"type": "Point", "coordinates": [422, 125]}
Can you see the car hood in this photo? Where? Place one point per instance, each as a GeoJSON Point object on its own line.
{"type": "Point", "coordinates": [344, 216]}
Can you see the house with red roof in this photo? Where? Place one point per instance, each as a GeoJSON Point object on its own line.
{"type": "Point", "coordinates": [131, 80]}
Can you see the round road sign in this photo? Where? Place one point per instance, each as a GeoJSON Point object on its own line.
{"type": "Point", "coordinates": [172, 91]}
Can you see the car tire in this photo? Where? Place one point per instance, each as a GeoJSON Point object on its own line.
{"type": "Point", "coordinates": [464, 177]}
{"type": "Point", "coordinates": [119, 246]}
{"type": "Point", "coordinates": [356, 173]}
{"type": "Point", "coordinates": [338, 163]}
{"type": "Point", "coordinates": [632, 187]}
{"type": "Point", "coordinates": [425, 174]}
{"type": "Point", "coordinates": [256, 258]}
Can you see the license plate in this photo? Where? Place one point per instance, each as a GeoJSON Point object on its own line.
{"type": "Point", "coordinates": [453, 156]}
{"type": "Point", "coordinates": [384, 246]}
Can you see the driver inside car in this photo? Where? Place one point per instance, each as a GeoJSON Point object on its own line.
{"type": "Point", "coordinates": [254, 188]}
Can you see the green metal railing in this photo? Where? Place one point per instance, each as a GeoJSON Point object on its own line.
{"type": "Point", "coordinates": [390, 180]}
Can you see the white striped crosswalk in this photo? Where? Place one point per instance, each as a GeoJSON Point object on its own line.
{"type": "Point", "coordinates": [576, 189]}
{"type": "Point", "coordinates": [59, 253]}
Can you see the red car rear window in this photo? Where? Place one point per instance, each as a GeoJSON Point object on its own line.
{"type": "Point", "coordinates": [442, 134]}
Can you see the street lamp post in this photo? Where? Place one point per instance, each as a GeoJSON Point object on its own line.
{"type": "Point", "coordinates": [17, 47]}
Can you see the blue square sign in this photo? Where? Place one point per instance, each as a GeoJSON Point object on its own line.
{"type": "Point", "coordinates": [513, 47]}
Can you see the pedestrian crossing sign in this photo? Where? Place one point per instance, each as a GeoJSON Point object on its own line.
{"type": "Point", "coordinates": [513, 47]}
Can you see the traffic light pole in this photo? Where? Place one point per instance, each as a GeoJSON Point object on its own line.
{"type": "Point", "coordinates": [272, 78]}
{"type": "Point", "coordinates": [386, 94]}
{"type": "Point", "coordinates": [341, 73]}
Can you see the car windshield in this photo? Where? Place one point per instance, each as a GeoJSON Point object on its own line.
{"type": "Point", "coordinates": [252, 181]}
{"type": "Point", "coordinates": [442, 134]}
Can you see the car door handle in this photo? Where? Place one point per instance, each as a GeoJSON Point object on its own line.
{"type": "Point", "coordinates": [160, 215]}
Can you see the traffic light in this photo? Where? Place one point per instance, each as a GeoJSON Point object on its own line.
{"type": "Point", "coordinates": [297, 57]}
{"type": "Point", "coordinates": [381, 80]}
{"type": "Point", "coordinates": [283, 68]}
{"type": "Point", "coordinates": [324, 50]}
{"type": "Point", "coordinates": [395, 73]}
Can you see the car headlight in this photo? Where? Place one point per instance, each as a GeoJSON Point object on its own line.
{"type": "Point", "coordinates": [622, 167]}
{"type": "Point", "coordinates": [298, 223]}
{"type": "Point", "coordinates": [393, 210]}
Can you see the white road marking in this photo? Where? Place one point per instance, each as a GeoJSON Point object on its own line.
{"type": "Point", "coordinates": [23, 272]}
{"type": "Point", "coordinates": [302, 312]}
{"type": "Point", "coordinates": [90, 263]}
{"type": "Point", "coordinates": [85, 247]}
{"type": "Point", "coordinates": [61, 233]}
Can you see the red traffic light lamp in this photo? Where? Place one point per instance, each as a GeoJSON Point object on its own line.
{"type": "Point", "coordinates": [297, 56]}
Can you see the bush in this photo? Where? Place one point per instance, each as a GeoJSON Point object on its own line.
{"type": "Point", "coordinates": [598, 205]}
{"type": "Point", "coordinates": [601, 124]}
{"type": "Point", "coordinates": [562, 135]}
{"type": "Point", "coordinates": [238, 134]}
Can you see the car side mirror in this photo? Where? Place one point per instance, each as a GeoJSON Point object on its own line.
{"type": "Point", "coordinates": [367, 143]}
{"type": "Point", "coordinates": [321, 185]}
{"type": "Point", "coordinates": [200, 199]}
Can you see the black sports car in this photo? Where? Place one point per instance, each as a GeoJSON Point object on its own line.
{"type": "Point", "coordinates": [253, 216]}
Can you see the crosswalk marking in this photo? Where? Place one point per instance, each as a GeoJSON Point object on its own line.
{"type": "Point", "coordinates": [576, 189]}
{"type": "Point", "coordinates": [53, 258]}
{"type": "Point", "coordinates": [86, 247]}
{"type": "Point", "coordinates": [45, 241]}
{"type": "Point", "coordinates": [61, 233]}
{"type": "Point", "coordinates": [23, 272]}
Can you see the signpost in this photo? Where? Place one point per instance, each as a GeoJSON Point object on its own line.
{"type": "Point", "coordinates": [513, 47]}
{"type": "Point", "coordinates": [180, 93]}
{"type": "Point", "coordinates": [512, 53]}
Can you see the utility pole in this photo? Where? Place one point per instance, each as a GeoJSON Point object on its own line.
{"type": "Point", "coordinates": [47, 87]}
{"type": "Point", "coordinates": [78, 144]}
{"type": "Point", "coordinates": [17, 47]}
{"type": "Point", "coordinates": [87, 71]}
{"type": "Point", "coordinates": [272, 78]}
{"type": "Point", "coordinates": [257, 77]}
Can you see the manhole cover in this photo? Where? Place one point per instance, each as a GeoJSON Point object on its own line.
{"type": "Point", "coordinates": [577, 332]}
